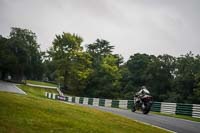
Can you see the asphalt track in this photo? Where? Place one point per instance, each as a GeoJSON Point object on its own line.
{"type": "Point", "coordinates": [10, 87]}
{"type": "Point", "coordinates": [169, 123]}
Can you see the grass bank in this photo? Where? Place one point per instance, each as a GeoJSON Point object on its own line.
{"type": "Point", "coordinates": [31, 113]}
{"type": "Point", "coordinates": [41, 83]}
{"type": "Point", "coordinates": [37, 92]}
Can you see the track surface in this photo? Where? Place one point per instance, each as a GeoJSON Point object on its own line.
{"type": "Point", "coordinates": [10, 87]}
{"type": "Point", "coordinates": [169, 123]}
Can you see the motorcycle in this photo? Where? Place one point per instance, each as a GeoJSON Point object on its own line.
{"type": "Point", "coordinates": [143, 102]}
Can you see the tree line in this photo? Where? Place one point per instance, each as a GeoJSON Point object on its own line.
{"type": "Point", "coordinates": [94, 71]}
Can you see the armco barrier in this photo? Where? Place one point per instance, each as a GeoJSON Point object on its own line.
{"type": "Point", "coordinates": [46, 87]}
{"type": "Point", "coordinates": [169, 108]}
{"type": "Point", "coordinates": [85, 100]}
{"type": "Point", "coordinates": [184, 109]}
{"type": "Point", "coordinates": [108, 103]}
{"type": "Point", "coordinates": [196, 111]}
{"type": "Point", "coordinates": [101, 102]}
{"type": "Point", "coordinates": [163, 107]}
{"type": "Point", "coordinates": [156, 106]}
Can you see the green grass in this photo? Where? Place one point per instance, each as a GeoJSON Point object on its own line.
{"type": "Point", "coordinates": [31, 113]}
{"type": "Point", "coordinates": [34, 91]}
{"type": "Point", "coordinates": [41, 83]}
{"type": "Point", "coordinates": [178, 116]}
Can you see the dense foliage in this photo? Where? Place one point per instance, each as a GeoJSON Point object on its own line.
{"type": "Point", "coordinates": [94, 71]}
{"type": "Point", "coordinates": [20, 56]}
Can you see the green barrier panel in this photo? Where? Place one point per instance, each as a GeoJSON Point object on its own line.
{"type": "Point", "coordinates": [51, 96]}
{"type": "Point", "coordinates": [184, 109]}
{"type": "Point", "coordinates": [90, 101]}
{"type": "Point", "coordinates": [115, 104]}
{"type": "Point", "coordinates": [130, 104]}
{"type": "Point", "coordinates": [101, 102]}
{"type": "Point", "coordinates": [57, 97]}
{"type": "Point", "coordinates": [156, 106]}
{"type": "Point", "coordinates": [66, 99]}
{"type": "Point", "coordinates": [73, 99]}
{"type": "Point", "coordinates": [81, 100]}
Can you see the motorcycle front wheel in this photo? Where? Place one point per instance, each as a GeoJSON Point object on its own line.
{"type": "Point", "coordinates": [146, 108]}
{"type": "Point", "coordinates": [133, 109]}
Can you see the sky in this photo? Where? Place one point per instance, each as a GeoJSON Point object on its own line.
{"type": "Point", "coordinates": [132, 26]}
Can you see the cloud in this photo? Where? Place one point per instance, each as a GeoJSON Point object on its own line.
{"type": "Point", "coordinates": [152, 27]}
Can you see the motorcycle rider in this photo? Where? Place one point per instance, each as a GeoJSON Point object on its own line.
{"type": "Point", "coordinates": [143, 91]}
{"type": "Point", "coordinates": [142, 100]}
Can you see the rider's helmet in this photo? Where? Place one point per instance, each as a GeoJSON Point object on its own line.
{"type": "Point", "coordinates": [144, 90]}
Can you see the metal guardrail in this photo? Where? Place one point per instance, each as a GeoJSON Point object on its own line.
{"type": "Point", "coordinates": [47, 87]}
{"type": "Point", "coordinates": [41, 86]}
{"type": "Point", "coordinates": [163, 107]}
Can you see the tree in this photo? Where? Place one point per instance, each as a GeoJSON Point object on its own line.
{"type": "Point", "coordinates": [20, 52]}
{"type": "Point", "coordinates": [137, 65]}
{"type": "Point", "coordinates": [104, 80]}
{"type": "Point", "coordinates": [184, 80]}
{"type": "Point", "coordinates": [134, 74]}
{"type": "Point", "coordinates": [187, 78]}
{"type": "Point", "coordinates": [3, 57]}
{"type": "Point", "coordinates": [23, 42]}
{"type": "Point", "coordinates": [159, 76]}
{"type": "Point", "coordinates": [147, 70]}
{"type": "Point", "coordinates": [100, 48]}
{"type": "Point", "coordinates": [196, 89]}
{"type": "Point", "coordinates": [71, 61]}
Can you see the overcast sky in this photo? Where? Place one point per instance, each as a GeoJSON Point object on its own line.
{"type": "Point", "coordinates": [145, 26]}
